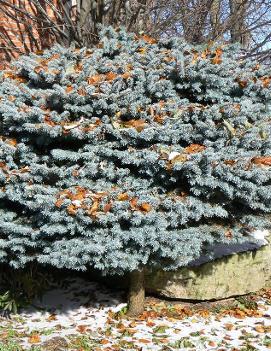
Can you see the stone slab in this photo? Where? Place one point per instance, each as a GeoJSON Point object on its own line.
{"type": "Point", "coordinates": [237, 274]}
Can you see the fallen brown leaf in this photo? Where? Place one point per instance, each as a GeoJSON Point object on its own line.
{"type": "Point", "coordinates": [148, 39]}
{"type": "Point", "coordinates": [104, 341]}
{"type": "Point", "coordinates": [194, 148]}
{"type": "Point", "coordinates": [34, 339]}
{"type": "Point", "coordinates": [263, 160]}
{"type": "Point", "coordinates": [52, 317]}
{"type": "Point", "coordinates": [95, 79]}
{"type": "Point", "coordinates": [212, 343]}
{"type": "Point", "coordinates": [138, 124]}
{"type": "Point", "coordinates": [126, 75]}
{"type": "Point", "coordinates": [133, 203]}
{"type": "Point", "coordinates": [150, 323]}
{"type": "Point", "coordinates": [82, 328]}
{"type": "Point", "coordinates": [142, 51]}
{"type": "Point", "coordinates": [110, 76]}
{"type": "Point", "coordinates": [123, 197]}
{"type": "Point", "coordinates": [229, 326]}
{"type": "Point", "coordinates": [144, 341]}
{"type": "Point", "coordinates": [260, 329]}
{"type": "Point", "coordinates": [69, 89]}
{"type": "Point", "coordinates": [145, 207]}
{"type": "Point", "coordinates": [108, 207]}
{"type": "Point", "coordinates": [266, 81]}
{"type": "Point", "coordinates": [71, 209]}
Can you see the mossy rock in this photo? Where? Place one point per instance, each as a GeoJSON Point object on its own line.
{"type": "Point", "coordinates": [237, 274]}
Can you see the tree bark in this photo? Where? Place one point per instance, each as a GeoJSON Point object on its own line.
{"type": "Point", "coordinates": [136, 295]}
{"type": "Point", "coordinates": [215, 18]}
{"type": "Point", "coordinates": [239, 32]}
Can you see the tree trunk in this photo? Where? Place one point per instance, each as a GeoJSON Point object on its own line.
{"type": "Point", "coordinates": [215, 18]}
{"type": "Point", "coordinates": [239, 32]}
{"type": "Point", "coordinates": [136, 295]}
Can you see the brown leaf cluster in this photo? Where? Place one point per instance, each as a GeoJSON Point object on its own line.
{"type": "Point", "coordinates": [184, 156]}
{"type": "Point", "coordinates": [68, 126]}
{"type": "Point", "coordinates": [79, 195]}
{"type": "Point", "coordinates": [43, 64]}
{"type": "Point", "coordinates": [138, 124]}
{"type": "Point", "coordinates": [241, 313]}
{"type": "Point", "coordinates": [107, 77]}
{"type": "Point", "coordinates": [78, 198]}
{"type": "Point", "coordinates": [143, 207]}
{"type": "Point", "coordinates": [216, 56]}
{"type": "Point", "coordinates": [16, 77]}
{"type": "Point", "coordinates": [158, 117]}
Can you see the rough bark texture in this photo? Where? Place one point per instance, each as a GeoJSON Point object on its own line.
{"type": "Point", "coordinates": [136, 295]}
{"type": "Point", "coordinates": [215, 13]}
{"type": "Point", "coordinates": [239, 31]}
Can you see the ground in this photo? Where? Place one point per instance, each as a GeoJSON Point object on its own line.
{"type": "Point", "coordinates": [76, 314]}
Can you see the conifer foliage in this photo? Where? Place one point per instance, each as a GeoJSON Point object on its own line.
{"type": "Point", "coordinates": [133, 153]}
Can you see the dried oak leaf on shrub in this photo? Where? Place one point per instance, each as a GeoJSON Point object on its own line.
{"type": "Point", "coordinates": [142, 51]}
{"type": "Point", "coordinates": [49, 122]}
{"type": "Point", "coordinates": [110, 76]}
{"type": "Point", "coordinates": [229, 162]}
{"type": "Point", "coordinates": [72, 209]}
{"type": "Point", "coordinates": [138, 124]}
{"type": "Point", "coordinates": [126, 75]}
{"type": "Point", "coordinates": [92, 212]}
{"type": "Point", "coordinates": [195, 57]}
{"type": "Point", "coordinates": [262, 160]}
{"type": "Point", "coordinates": [11, 142]}
{"type": "Point", "coordinates": [69, 89]}
{"type": "Point", "coordinates": [228, 234]}
{"type": "Point", "coordinates": [194, 148]}
{"type": "Point", "coordinates": [59, 202]}
{"type": "Point", "coordinates": [266, 81]}
{"type": "Point", "coordinates": [108, 206]}
{"type": "Point", "coordinates": [133, 203]}
{"type": "Point", "coordinates": [95, 79]}
{"type": "Point", "coordinates": [145, 207]}
{"type": "Point", "coordinates": [14, 76]}
{"type": "Point", "coordinates": [242, 83]}
{"type": "Point", "coordinates": [123, 197]}
{"type": "Point", "coordinates": [159, 119]}
{"type": "Point", "coordinates": [180, 158]}
{"type": "Point", "coordinates": [217, 60]}
{"type": "Point", "coordinates": [148, 39]}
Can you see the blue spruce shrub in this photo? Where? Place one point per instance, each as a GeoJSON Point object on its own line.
{"type": "Point", "coordinates": [132, 153]}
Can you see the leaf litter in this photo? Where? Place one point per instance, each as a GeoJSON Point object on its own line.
{"type": "Point", "coordinates": [88, 316]}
